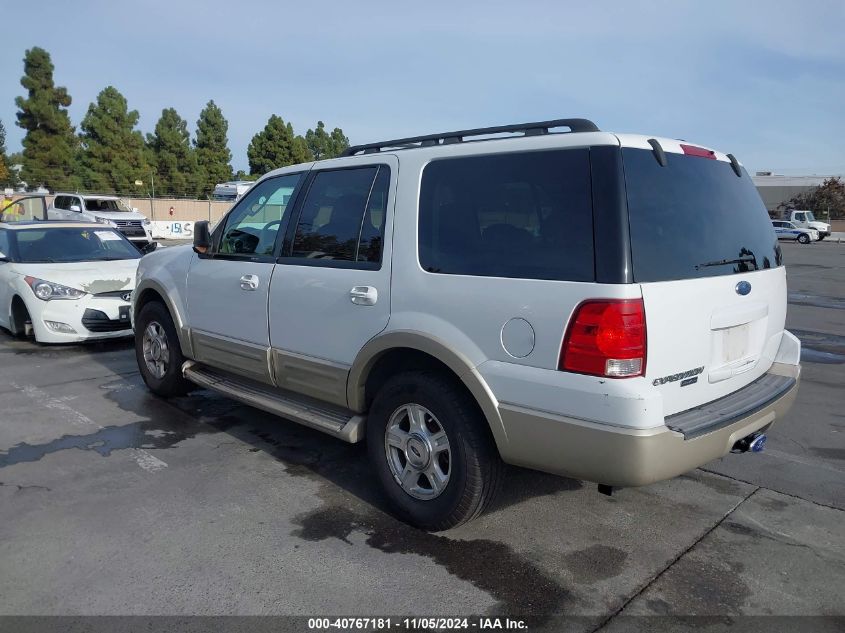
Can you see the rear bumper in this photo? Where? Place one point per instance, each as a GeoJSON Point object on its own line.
{"type": "Point", "coordinates": [632, 457]}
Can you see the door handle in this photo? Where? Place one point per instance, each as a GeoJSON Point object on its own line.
{"type": "Point", "coordinates": [249, 282]}
{"type": "Point", "coordinates": [363, 295]}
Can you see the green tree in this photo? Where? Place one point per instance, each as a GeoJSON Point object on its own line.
{"type": "Point", "coordinates": [172, 155]}
{"type": "Point", "coordinates": [323, 145]}
{"type": "Point", "coordinates": [212, 147]}
{"type": "Point", "coordinates": [276, 146]}
{"type": "Point", "coordinates": [113, 155]}
{"type": "Point", "coordinates": [242, 175]}
{"type": "Point", "coordinates": [50, 144]}
{"type": "Point", "coordinates": [826, 200]}
{"type": "Point", "coordinates": [5, 171]}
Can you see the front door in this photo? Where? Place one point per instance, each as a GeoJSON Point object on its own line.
{"type": "Point", "coordinates": [331, 288]}
{"type": "Point", "coordinates": [229, 286]}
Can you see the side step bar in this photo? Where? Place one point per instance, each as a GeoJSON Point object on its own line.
{"type": "Point", "coordinates": [333, 420]}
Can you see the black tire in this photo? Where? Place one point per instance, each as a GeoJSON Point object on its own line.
{"type": "Point", "coordinates": [821, 237]}
{"type": "Point", "coordinates": [475, 468]}
{"type": "Point", "coordinates": [804, 238]}
{"type": "Point", "coordinates": [18, 318]}
{"type": "Point", "coordinates": [171, 383]}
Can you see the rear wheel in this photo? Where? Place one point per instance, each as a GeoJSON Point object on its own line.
{"type": "Point", "coordinates": [158, 352]}
{"type": "Point", "coordinates": [431, 450]}
{"type": "Point", "coordinates": [804, 238]}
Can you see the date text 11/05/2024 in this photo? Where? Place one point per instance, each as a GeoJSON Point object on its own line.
{"type": "Point", "coordinates": [414, 624]}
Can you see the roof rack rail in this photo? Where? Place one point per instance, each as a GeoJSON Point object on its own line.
{"type": "Point", "coordinates": [458, 136]}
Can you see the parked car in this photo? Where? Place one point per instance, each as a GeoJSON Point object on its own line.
{"type": "Point", "coordinates": [65, 282]}
{"type": "Point", "coordinates": [806, 220]}
{"type": "Point", "coordinates": [788, 231]}
{"type": "Point", "coordinates": [23, 207]}
{"type": "Point", "coordinates": [461, 302]}
{"type": "Point", "coordinates": [108, 210]}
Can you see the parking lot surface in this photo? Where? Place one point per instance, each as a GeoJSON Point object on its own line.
{"type": "Point", "coordinates": [117, 502]}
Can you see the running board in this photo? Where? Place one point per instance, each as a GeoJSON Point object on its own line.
{"type": "Point", "coordinates": [331, 419]}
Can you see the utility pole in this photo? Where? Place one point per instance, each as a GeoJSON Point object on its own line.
{"type": "Point", "coordinates": [153, 186]}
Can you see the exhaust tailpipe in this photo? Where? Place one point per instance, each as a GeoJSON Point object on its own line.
{"type": "Point", "coordinates": [755, 443]}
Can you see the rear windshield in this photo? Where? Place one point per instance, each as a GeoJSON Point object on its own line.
{"type": "Point", "coordinates": [524, 214]}
{"type": "Point", "coordinates": [694, 218]}
{"type": "Point", "coordinates": [55, 245]}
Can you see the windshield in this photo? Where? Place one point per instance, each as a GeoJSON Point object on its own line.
{"type": "Point", "coordinates": [694, 218]}
{"type": "Point", "coordinates": [64, 245]}
{"type": "Point", "coordinates": [99, 204]}
{"type": "Point", "coordinates": [810, 217]}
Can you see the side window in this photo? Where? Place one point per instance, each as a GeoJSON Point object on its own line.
{"type": "Point", "coordinates": [73, 201]}
{"type": "Point", "coordinates": [4, 243]}
{"type": "Point", "coordinates": [800, 217]}
{"type": "Point", "coordinates": [343, 216]}
{"type": "Point", "coordinates": [61, 202]}
{"type": "Point", "coordinates": [251, 227]}
{"type": "Point", "coordinates": [522, 215]}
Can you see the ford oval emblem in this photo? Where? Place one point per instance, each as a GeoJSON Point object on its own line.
{"type": "Point", "coordinates": [743, 288]}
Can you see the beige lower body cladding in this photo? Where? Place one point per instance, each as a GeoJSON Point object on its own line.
{"type": "Point", "coordinates": [625, 457]}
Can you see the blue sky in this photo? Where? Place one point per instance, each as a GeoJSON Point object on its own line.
{"type": "Point", "coordinates": [763, 80]}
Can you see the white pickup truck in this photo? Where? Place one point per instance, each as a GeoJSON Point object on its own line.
{"type": "Point", "coordinates": [804, 219]}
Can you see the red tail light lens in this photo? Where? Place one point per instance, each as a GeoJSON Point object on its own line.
{"type": "Point", "coordinates": [606, 338]}
{"type": "Point", "coordinates": [692, 150]}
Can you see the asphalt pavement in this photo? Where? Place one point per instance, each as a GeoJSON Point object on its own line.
{"type": "Point", "coordinates": [113, 501]}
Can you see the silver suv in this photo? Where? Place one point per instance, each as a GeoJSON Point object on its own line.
{"type": "Point", "coordinates": [602, 306]}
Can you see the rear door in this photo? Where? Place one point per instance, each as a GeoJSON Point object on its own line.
{"type": "Point", "coordinates": [56, 210]}
{"type": "Point", "coordinates": [706, 256]}
{"type": "Point", "coordinates": [331, 289]}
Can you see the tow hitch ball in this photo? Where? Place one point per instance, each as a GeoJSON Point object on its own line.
{"type": "Point", "coordinates": [755, 443]}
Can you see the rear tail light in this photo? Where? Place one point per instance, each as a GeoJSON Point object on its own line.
{"type": "Point", "coordinates": [606, 338]}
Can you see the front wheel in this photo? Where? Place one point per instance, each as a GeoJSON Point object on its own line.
{"type": "Point", "coordinates": [158, 352]}
{"type": "Point", "coordinates": [432, 451]}
{"type": "Point", "coordinates": [804, 238]}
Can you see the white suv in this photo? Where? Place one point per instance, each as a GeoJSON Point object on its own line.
{"type": "Point", "coordinates": [108, 210]}
{"type": "Point", "coordinates": [606, 307]}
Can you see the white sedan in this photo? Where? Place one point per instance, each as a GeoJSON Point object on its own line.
{"type": "Point", "coordinates": [65, 282]}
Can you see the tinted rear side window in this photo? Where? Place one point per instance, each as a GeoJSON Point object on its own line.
{"type": "Point", "coordinates": [342, 217]}
{"type": "Point", "coordinates": [524, 215]}
{"type": "Point", "coordinates": [687, 217]}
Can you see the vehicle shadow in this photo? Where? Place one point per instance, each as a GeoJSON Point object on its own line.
{"type": "Point", "coordinates": [303, 451]}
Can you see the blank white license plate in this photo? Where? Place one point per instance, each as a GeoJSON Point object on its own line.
{"type": "Point", "coordinates": [735, 343]}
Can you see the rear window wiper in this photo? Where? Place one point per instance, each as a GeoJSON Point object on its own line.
{"type": "Point", "coordinates": [747, 259]}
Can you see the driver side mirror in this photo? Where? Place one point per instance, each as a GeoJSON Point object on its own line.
{"type": "Point", "coordinates": [202, 237]}
{"type": "Point", "coordinates": [149, 248]}
{"type": "Point", "coordinates": [75, 207]}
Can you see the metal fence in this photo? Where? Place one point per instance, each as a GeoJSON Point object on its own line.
{"type": "Point", "coordinates": [173, 209]}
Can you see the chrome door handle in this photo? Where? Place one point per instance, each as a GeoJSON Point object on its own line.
{"type": "Point", "coordinates": [249, 282]}
{"type": "Point", "coordinates": [363, 295]}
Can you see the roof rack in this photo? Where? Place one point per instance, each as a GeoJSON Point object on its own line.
{"type": "Point", "coordinates": [458, 136]}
